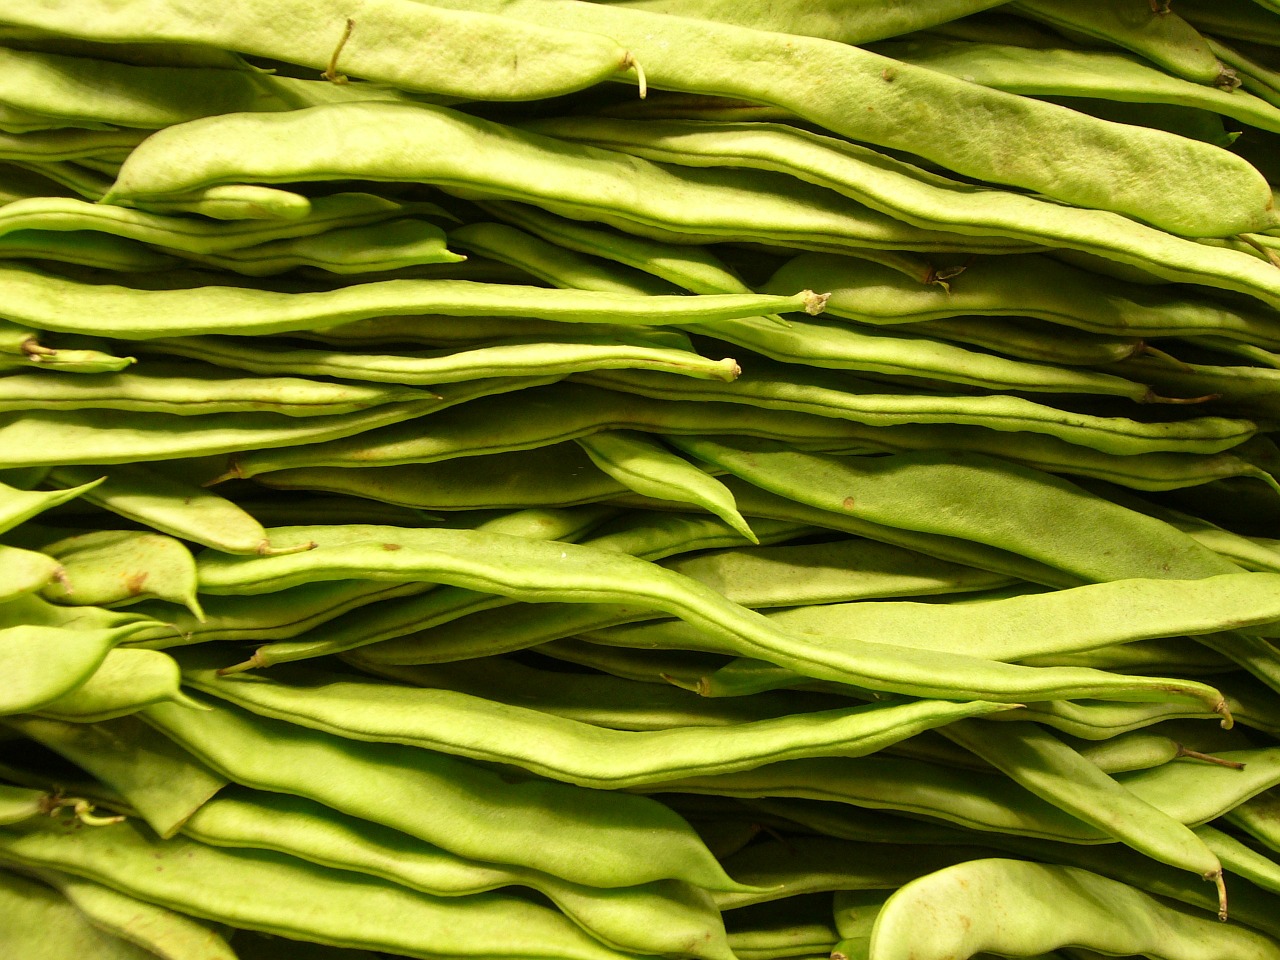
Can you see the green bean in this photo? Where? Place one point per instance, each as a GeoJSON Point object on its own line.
{"type": "Point", "coordinates": [841, 346]}
{"type": "Point", "coordinates": [189, 234]}
{"type": "Point", "coordinates": [40, 924]}
{"type": "Point", "coordinates": [32, 610]}
{"type": "Point", "coordinates": [286, 896]}
{"type": "Point", "coordinates": [195, 389]}
{"type": "Point", "coordinates": [1030, 286]}
{"type": "Point", "coordinates": [170, 505]}
{"type": "Point", "coordinates": [1010, 629]}
{"type": "Point", "coordinates": [106, 310]}
{"type": "Point", "coordinates": [384, 246]}
{"type": "Point", "coordinates": [122, 566]}
{"type": "Point", "coordinates": [165, 933]}
{"type": "Point", "coordinates": [776, 386]}
{"type": "Point", "coordinates": [881, 488]}
{"type": "Point", "coordinates": [1013, 906]}
{"type": "Point", "coordinates": [541, 572]}
{"type": "Point", "coordinates": [567, 831]}
{"type": "Point", "coordinates": [1138, 471]}
{"type": "Point", "coordinates": [564, 354]}
{"type": "Point", "coordinates": [906, 192]}
{"type": "Point", "coordinates": [785, 938]}
{"type": "Point", "coordinates": [51, 438]}
{"type": "Point", "coordinates": [21, 803]}
{"type": "Point", "coordinates": [649, 468]}
{"type": "Point", "coordinates": [1233, 18]}
{"type": "Point", "coordinates": [693, 268]}
{"type": "Point", "coordinates": [661, 917]}
{"type": "Point", "coordinates": [89, 250]}
{"type": "Point", "coordinates": [1053, 771]}
{"type": "Point", "coordinates": [555, 747]}
{"type": "Point", "coordinates": [417, 618]}
{"type": "Point", "coordinates": [868, 101]}
{"type": "Point", "coordinates": [455, 54]}
{"type": "Point", "coordinates": [70, 144]}
{"type": "Point", "coordinates": [543, 415]}
{"type": "Point", "coordinates": [1178, 655]}
{"type": "Point", "coordinates": [236, 201]}
{"type": "Point", "coordinates": [599, 699]}
{"type": "Point", "coordinates": [159, 779]}
{"type": "Point", "coordinates": [25, 571]}
{"type": "Point", "coordinates": [127, 681]}
{"type": "Point", "coordinates": [18, 506]}
{"type": "Point", "coordinates": [44, 663]}
{"type": "Point", "coordinates": [501, 162]}
{"type": "Point", "coordinates": [1238, 390]}
{"type": "Point", "coordinates": [1259, 816]}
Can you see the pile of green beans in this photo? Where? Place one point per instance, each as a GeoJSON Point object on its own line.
{"type": "Point", "coordinates": [565, 480]}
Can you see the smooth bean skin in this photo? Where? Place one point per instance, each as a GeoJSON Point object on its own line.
{"type": "Point", "coordinates": [17, 506]}
{"type": "Point", "coordinates": [495, 161]}
{"type": "Point", "coordinates": [41, 924]}
{"type": "Point", "coordinates": [285, 896]}
{"type": "Point", "coordinates": [105, 567]}
{"type": "Point", "coordinates": [697, 56]}
{"type": "Point", "coordinates": [1022, 908]}
{"type": "Point", "coordinates": [452, 53]}
{"type": "Point", "coordinates": [44, 663]}
{"type": "Point", "coordinates": [107, 310]}
{"type": "Point", "coordinates": [25, 571]}
{"type": "Point", "coordinates": [837, 394]}
{"type": "Point", "coordinates": [562, 749]}
{"type": "Point", "coordinates": [664, 917]}
{"type": "Point", "coordinates": [541, 572]}
{"type": "Point", "coordinates": [127, 681]}
{"type": "Point", "coordinates": [1026, 286]}
{"type": "Point", "coordinates": [166, 933]}
{"type": "Point", "coordinates": [571, 832]}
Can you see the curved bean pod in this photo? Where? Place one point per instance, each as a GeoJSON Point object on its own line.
{"type": "Point", "coordinates": [1026, 286]}
{"type": "Point", "coordinates": [775, 386]}
{"type": "Point", "coordinates": [961, 491]}
{"type": "Point", "coordinates": [565, 354]}
{"type": "Point", "coordinates": [555, 747]}
{"type": "Point", "coordinates": [26, 571]}
{"type": "Point", "coordinates": [1050, 769]}
{"type": "Point", "coordinates": [114, 311]}
{"type": "Point", "coordinates": [161, 781]}
{"type": "Point", "coordinates": [418, 47]}
{"type": "Point", "coordinates": [570, 832]}
{"type": "Point", "coordinates": [1013, 906]}
{"type": "Point", "coordinates": [44, 663]}
{"type": "Point", "coordinates": [289, 897]}
{"type": "Point", "coordinates": [41, 924]}
{"type": "Point", "coordinates": [461, 153]}
{"type": "Point", "coordinates": [542, 572]}
{"type": "Point", "coordinates": [127, 681]}
{"type": "Point", "coordinates": [165, 933]}
{"type": "Point", "coordinates": [702, 57]}
{"type": "Point", "coordinates": [119, 566]}
{"type": "Point", "coordinates": [663, 917]}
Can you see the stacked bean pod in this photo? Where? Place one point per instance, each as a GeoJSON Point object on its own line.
{"type": "Point", "coordinates": [718, 481]}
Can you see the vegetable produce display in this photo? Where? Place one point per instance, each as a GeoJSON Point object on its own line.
{"type": "Point", "coordinates": [562, 480]}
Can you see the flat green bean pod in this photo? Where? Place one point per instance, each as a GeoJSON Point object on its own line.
{"type": "Point", "coordinates": [70, 144]}
{"type": "Point", "coordinates": [565, 354]}
{"type": "Point", "coordinates": [389, 245]}
{"type": "Point", "coordinates": [539, 417]}
{"type": "Point", "coordinates": [1110, 163]}
{"type": "Point", "coordinates": [51, 438]}
{"type": "Point", "coordinates": [1026, 286]}
{"type": "Point", "coordinates": [960, 490]}
{"type": "Point", "coordinates": [663, 917]}
{"type": "Point", "coordinates": [26, 571]}
{"type": "Point", "coordinates": [109, 310]}
{"type": "Point", "coordinates": [1052, 770]}
{"type": "Point", "coordinates": [158, 779]}
{"type": "Point", "coordinates": [371, 141]}
{"type": "Point", "coordinates": [835, 394]}
{"type": "Point", "coordinates": [556, 747]}
{"type": "Point", "coordinates": [282, 895]}
{"type": "Point", "coordinates": [195, 389]}
{"type": "Point", "coordinates": [127, 681]}
{"type": "Point", "coordinates": [171, 505]}
{"type": "Point", "coordinates": [166, 933]}
{"type": "Point", "coordinates": [44, 663]}
{"type": "Point", "coordinates": [42, 924]}
{"type": "Point", "coordinates": [1017, 907]}
{"type": "Point", "coordinates": [83, 249]}
{"type": "Point", "coordinates": [451, 53]}
{"type": "Point", "coordinates": [188, 234]}
{"type": "Point", "coordinates": [17, 506]}
{"type": "Point", "coordinates": [577, 834]}
{"type": "Point", "coordinates": [566, 572]}
{"type": "Point", "coordinates": [106, 567]}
